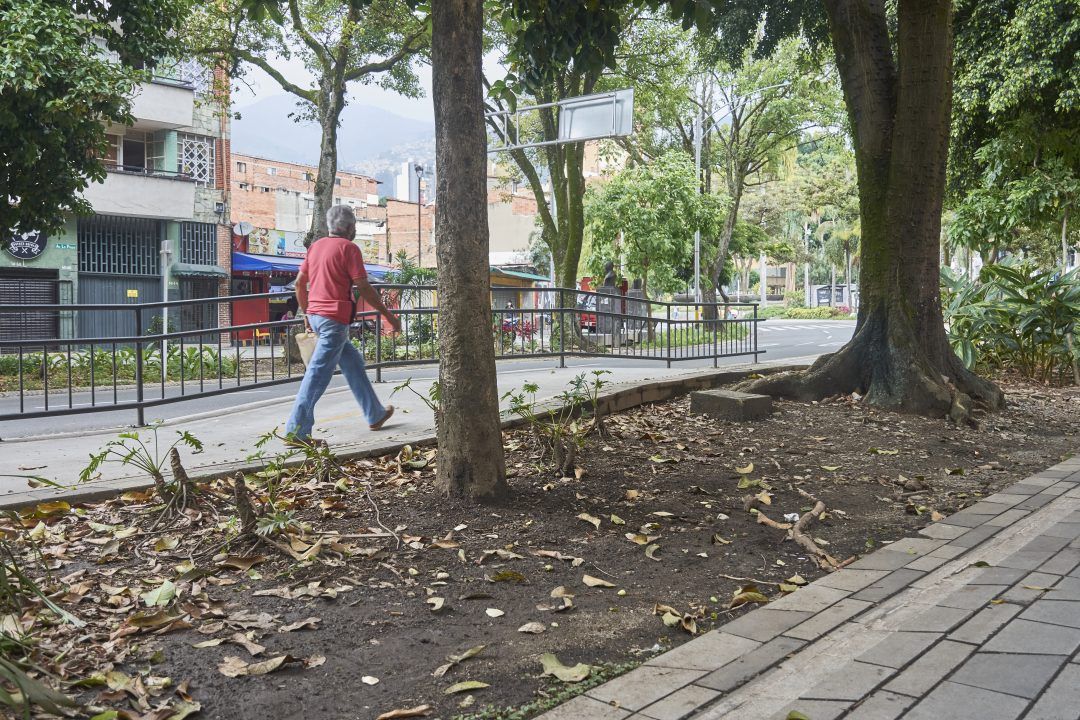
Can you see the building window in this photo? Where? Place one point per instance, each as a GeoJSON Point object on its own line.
{"type": "Point", "coordinates": [310, 202]}
{"type": "Point", "coordinates": [309, 177]}
{"type": "Point", "coordinates": [271, 171]}
{"type": "Point", "coordinates": [111, 157]}
{"type": "Point", "coordinates": [198, 243]}
{"type": "Point", "coordinates": [196, 153]}
{"type": "Point", "coordinates": [245, 186]}
{"type": "Point", "coordinates": [241, 167]}
{"type": "Point", "coordinates": [337, 181]}
{"type": "Point", "coordinates": [264, 188]}
{"type": "Point", "coordinates": [120, 245]}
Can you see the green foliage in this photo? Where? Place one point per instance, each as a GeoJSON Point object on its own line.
{"type": "Point", "coordinates": [130, 449]}
{"type": "Point", "coordinates": [644, 219]}
{"type": "Point", "coordinates": [59, 88]}
{"type": "Point", "coordinates": [558, 427]}
{"type": "Point", "coordinates": [1015, 153]}
{"type": "Point", "coordinates": [433, 397]}
{"type": "Point", "coordinates": [816, 313]}
{"type": "Point", "coordinates": [1015, 316]}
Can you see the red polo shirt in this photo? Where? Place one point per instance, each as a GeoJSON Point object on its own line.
{"type": "Point", "coordinates": [331, 265]}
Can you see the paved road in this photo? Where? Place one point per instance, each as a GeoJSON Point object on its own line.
{"type": "Point", "coordinates": [779, 339]}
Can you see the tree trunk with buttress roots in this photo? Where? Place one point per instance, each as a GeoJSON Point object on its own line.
{"type": "Point", "coordinates": [899, 357]}
{"type": "Point", "coordinates": [471, 461]}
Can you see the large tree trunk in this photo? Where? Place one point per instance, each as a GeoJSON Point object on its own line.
{"type": "Point", "coordinates": [471, 459]}
{"type": "Point", "coordinates": [899, 357]}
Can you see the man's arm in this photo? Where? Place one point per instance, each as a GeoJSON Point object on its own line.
{"type": "Point", "coordinates": [371, 297]}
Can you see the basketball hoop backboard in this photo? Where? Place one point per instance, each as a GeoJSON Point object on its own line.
{"type": "Point", "coordinates": [589, 117]}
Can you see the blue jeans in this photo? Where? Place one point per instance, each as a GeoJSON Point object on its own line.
{"type": "Point", "coordinates": [332, 350]}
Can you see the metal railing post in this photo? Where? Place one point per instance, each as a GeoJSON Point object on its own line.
{"type": "Point", "coordinates": [667, 335]}
{"type": "Point", "coordinates": [140, 410]}
{"type": "Point", "coordinates": [378, 348]}
{"type": "Point", "coordinates": [717, 328]}
{"type": "Point", "coordinates": [755, 334]}
{"type": "Point", "coordinates": [562, 329]}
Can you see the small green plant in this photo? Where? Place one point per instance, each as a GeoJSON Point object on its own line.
{"type": "Point", "coordinates": [130, 449]}
{"type": "Point", "coordinates": [1017, 317]}
{"type": "Point", "coordinates": [433, 397]}
{"type": "Point", "coordinates": [559, 429]}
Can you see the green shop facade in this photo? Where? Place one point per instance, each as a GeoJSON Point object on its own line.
{"type": "Point", "coordinates": [159, 218]}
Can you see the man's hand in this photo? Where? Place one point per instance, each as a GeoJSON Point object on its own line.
{"type": "Point", "coordinates": [394, 320]}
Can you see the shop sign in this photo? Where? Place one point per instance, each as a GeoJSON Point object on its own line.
{"type": "Point", "coordinates": [276, 242]}
{"type": "Point", "coordinates": [27, 246]}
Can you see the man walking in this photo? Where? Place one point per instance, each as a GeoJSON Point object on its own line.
{"type": "Point", "coordinates": [324, 290]}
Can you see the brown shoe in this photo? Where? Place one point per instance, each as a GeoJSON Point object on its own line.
{"type": "Point", "coordinates": [389, 413]}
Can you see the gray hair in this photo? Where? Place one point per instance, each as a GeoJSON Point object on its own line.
{"type": "Point", "coordinates": [341, 221]}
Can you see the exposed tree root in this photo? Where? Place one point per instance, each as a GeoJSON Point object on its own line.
{"type": "Point", "coordinates": [798, 530]}
{"type": "Point", "coordinates": [900, 376]}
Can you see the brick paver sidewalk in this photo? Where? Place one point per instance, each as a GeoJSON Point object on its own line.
{"type": "Point", "coordinates": [979, 619]}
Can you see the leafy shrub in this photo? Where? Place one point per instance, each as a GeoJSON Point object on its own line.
{"type": "Point", "coordinates": [818, 313]}
{"type": "Point", "coordinates": [773, 311]}
{"type": "Point", "coordinates": [795, 298]}
{"type": "Point", "coordinates": [1015, 316]}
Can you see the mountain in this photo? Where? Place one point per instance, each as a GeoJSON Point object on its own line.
{"type": "Point", "coordinates": [368, 135]}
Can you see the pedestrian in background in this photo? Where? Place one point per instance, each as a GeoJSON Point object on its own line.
{"type": "Point", "coordinates": [333, 268]}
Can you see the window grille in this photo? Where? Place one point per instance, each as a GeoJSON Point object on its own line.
{"type": "Point", "coordinates": [120, 245]}
{"type": "Point", "coordinates": [198, 243]}
{"type": "Point", "coordinates": [196, 154]}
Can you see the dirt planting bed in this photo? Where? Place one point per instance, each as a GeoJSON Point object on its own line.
{"type": "Point", "coordinates": [649, 541]}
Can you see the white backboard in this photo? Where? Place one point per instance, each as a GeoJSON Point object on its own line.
{"type": "Point", "coordinates": [589, 117]}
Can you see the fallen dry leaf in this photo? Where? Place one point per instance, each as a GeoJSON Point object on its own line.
{"type": "Point", "coordinates": [596, 582]}
{"type": "Point", "coordinates": [418, 711]}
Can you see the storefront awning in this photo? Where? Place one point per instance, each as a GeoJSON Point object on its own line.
{"type": "Point", "coordinates": [246, 262]}
{"type": "Point", "coordinates": [519, 274]}
{"type": "Point", "coordinates": [190, 270]}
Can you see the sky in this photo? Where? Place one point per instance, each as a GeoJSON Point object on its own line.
{"type": "Point", "coordinates": [263, 86]}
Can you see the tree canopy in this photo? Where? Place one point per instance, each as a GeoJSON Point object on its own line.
{"type": "Point", "coordinates": [66, 71]}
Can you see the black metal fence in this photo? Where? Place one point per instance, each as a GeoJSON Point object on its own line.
{"type": "Point", "coordinates": [69, 375]}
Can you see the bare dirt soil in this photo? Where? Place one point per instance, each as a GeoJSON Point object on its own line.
{"type": "Point", "coordinates": [356, 623]}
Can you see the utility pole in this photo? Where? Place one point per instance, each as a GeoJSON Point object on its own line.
{"type": "Point", "coordinates": [419, 169]}
{"type": "Point", "coordinates": [698, 124]}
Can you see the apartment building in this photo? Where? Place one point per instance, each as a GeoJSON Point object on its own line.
{"type": "Point", "coordinates": [276, 199]}
{"type": "Point", "coordinates": [160, 219]}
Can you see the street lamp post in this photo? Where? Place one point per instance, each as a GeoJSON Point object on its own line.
{"type": "Point", "coordinates": [419, 169]}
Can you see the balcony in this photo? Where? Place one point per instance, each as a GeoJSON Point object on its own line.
{"type": "Point", "coordinates": [163, 105]}
{"type": "Point", "coordinates": [143, 193]}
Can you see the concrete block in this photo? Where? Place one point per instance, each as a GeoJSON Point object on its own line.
{"type": "Point", "coordinates": [643, 686]}
{"type": "Point", "coordinates": [1056, 612]}
{"type": "Point", "coordinates": [882, 705]}
{"type": "Point", "coordinates": [963, 702]}
{"type": "Point", "coordinates": [730, 405]}
{"type": "Point", "coordinates": [929, 669]}
{"type": "Point", "coordinates": [750, 665]}
{"type": "Point", "coordinates": [898, 648]}
{"type": "Point", "coordinates": [892, 583]}
{"type": "Point", "coordinates": [852, 681]}
{"type": "Point", "coordinates": [764, 624]}
{"type": "Point", "coordinates": [850, 578]}
{"type": "Point", "coordinates": [985, 623]}
{"type": "Point", "coordinates": [1061, 699]}
{"type": "Point", "coordinates": [816, 709]}
{"type": "Point", "coordinates": [681, 703]}
{"type": "Point", "coordinates": [711, 651]}
{"type": "Point", "coordinates": [826, 620]}
{"type": "Point", "coordinates": [585, 708]}
{"type": "Point", "coordinates": [998, 672]}
{"type": "Point", "coordinates": [1034, 638]}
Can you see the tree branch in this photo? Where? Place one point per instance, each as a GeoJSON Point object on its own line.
{"type": "Point", "coordinates": [320, 50]}
{"type": "Point", "coordinates": [266, 67]}
{"type": "Point", "coordinates": [407, 48]}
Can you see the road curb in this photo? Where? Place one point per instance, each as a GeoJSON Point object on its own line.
{"type": "Point", "coordinates": [619, 397]}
